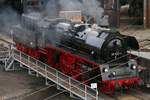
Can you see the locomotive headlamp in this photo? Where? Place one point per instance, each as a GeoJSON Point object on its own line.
{"type": "Point", "coordinates": [114, 73]}
{"type": "Point", "coordinates": [105, 70]}
{"type": "Point", "coordinates": [133, 67]}
{"type": "Point", "coordinates": [31, 43]}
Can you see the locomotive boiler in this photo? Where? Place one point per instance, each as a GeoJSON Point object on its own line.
{"type": "Point", "coordinates": [81, 51]}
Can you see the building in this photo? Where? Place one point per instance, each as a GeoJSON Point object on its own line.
{"type": "Point", "coordinates": [128, 12]}
{"type": "Point", "coordinates": [120, 12]}
{"type": "Point", "coordinates": [146, 13]}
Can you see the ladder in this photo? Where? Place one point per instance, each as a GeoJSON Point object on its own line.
{"type": "Point", "coordinates": [68, 83]}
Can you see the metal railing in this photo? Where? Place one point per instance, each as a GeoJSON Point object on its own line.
{"type": "Point", "coordinates": [73, 86]}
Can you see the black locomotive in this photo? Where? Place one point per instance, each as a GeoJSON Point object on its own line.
{"type": "Point", "coordinates": [76, 48]}
{"type": "Point", "coordinates": [101, 44]}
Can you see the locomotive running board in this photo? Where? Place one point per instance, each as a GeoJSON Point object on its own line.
{"type": "Point", "coordinates": [69, 84]}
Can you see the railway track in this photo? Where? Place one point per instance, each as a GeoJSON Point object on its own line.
{"type": "Point", "coordinates": [41, 95]}
{"type": "Point", "coordinates": [141, 95]}
{"type": "Point", "coordinates": [132, 95]}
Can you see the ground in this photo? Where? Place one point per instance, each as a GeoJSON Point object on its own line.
{"type": "Point", "coordinates": [19, 84]}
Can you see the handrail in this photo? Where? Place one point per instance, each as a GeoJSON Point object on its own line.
{"type": "Point", "coordinates": [68, 83]}
{"type": "Point", "coordinates": [57, 74]}
{"type": "Point", "coordinates": [65, 81]}
{"type": "Point", "coordinates": [52, 68]}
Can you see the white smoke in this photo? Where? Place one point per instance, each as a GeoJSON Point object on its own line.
{"type": "Point", "coordinates": [8, 18]}
{"type": "Point", "coordinates": [90, 8]}
{"type": "Point", "coordinates": [68, 5]}
{"type": "Point", "coordinates": [52, 8]}
{"type": "Point", "coordinates": [93, 8]}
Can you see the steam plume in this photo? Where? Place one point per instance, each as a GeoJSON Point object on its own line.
{"type": "Point", "coordinates": [90, 8]}
{"type": "Point", "coordinates": [8, 18]}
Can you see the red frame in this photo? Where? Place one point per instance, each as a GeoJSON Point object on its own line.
{"type": "Point", "coordinates": [109, 85]}
{"type": "Point", "coordinates": [67, 59]}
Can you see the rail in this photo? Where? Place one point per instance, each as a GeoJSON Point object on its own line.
{"type": "Point", "coordinates": [73, 86]}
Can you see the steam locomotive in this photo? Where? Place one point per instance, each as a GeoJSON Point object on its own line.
{"type": "Point", "coordinates": [82, 51]}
